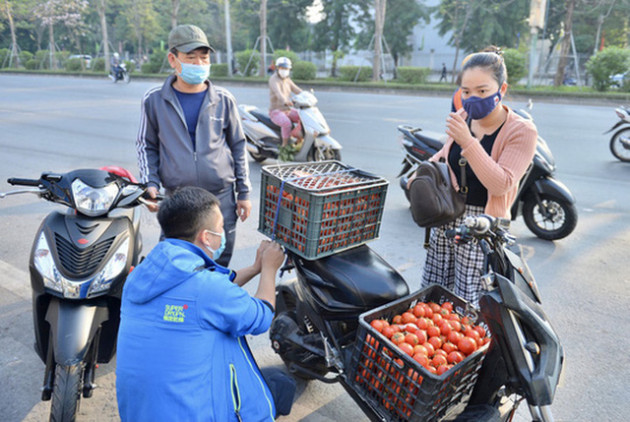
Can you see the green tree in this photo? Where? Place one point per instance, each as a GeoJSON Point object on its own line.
{"type": "Point", "coordinates": [333, 32]}
{"type": "Point", "coordinates": [604, 64]}
{"type": "Point", "coordinates": [400, 19]}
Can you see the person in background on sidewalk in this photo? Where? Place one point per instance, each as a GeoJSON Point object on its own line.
{"type": "Point", "coordinates": [443, 75]}
{"type": "Point", "coordinates": [281, 110]}
{"type": "Point", "coordinates": [182, 352]}
{"type": "Point", "coordinates": [190, 133]}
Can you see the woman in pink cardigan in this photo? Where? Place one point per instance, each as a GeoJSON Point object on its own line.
{"type": "Point", "coordinates": [498, 146]}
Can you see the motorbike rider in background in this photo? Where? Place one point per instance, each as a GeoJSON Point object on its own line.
{"type": "Point", "coordinates": [498, 146]}
{"type": "Point", "coordinates": [281, 110]}
{"type": "Point", "coordinates": [115, 65]}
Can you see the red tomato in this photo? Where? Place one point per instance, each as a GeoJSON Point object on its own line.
{"type": "Point", "coordinates": [428, 312]}
{"type": "Point", "coordinates": [388, 332]}
{"type": "Point", "coordinates": [406, 347]}
{"type": "Point", "coordinates": [411, 339]}
{"type": "Point", "coordinates": [398, 338]}
{"type": "Point", "coordinates": [438, 360]}
{"type": "Point", "coordinates": [449, 347]}
{"type": "Point", "coordinates": [440, 352]}
{"type": "Point", "coordinates": [432, 369]}
{"type": "Point", "coordinates": [397, 319]}
{"type": "Point", "coordinates": [422, 336]}
{"type": "Point", "coordinates": [396, 328]}
{"type": "Point", "coordinates": [419, 348]}
{"type": "Point", "coordinates": [455, 357]}
{"type": "Point", "coordinates": [408, 317]}
{"type": "Point", "coordinates": [442, 368]}
{"type": "Point", "coordinates": [480, 330]}
{"type": "Point", "coordinates": [422, 359]}
{"type": "Point", "coordinates": [436, 342]}
{"type": "Point", "coordinates": [455, 325]}
{"type": "Point", "coordinates": [445, 328]}
{"type": "Point", "coordinates": [467, 345]}
{"type": "Point", "coordinates": [437, 318]}
{"type": "Point", "coordinates": [448, 306]}
{"type": "Point", "coordinates": [378, 325]}
{"type": "Point", "coordinates": [430, 349]}
{"type": "Point", "coordinates": [472, 333]}
{"type": "Point", "coordinates": [422, 323]}
{"type": "Point", "coordinates": [418, 311]}
{"type": "Point", "coordinates": [454, 317]}
{"type": "Point", "coordinates": [434, 307]}
{"type": "Point", "coordinates": [409, 327]}
{"type": "Point", "coordinates": [453, 336]}
{"type": "Point", "coordinates": [433, 331]}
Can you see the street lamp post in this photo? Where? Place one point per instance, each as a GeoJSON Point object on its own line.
{"type": "Point", "coordinates": [228, 37]}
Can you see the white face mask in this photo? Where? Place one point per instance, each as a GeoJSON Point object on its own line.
{"type": "Point", "coordinates": [284, 73]}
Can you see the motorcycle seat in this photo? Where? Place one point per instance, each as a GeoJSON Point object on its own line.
{"type": "Point", "coordinates": [263, 117]}
{"type": "Point", "coordinates": [357, 276]}
{"type": "Point", "coordinates": [431, 142]}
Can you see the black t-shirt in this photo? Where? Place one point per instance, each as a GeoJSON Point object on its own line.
{"type": "Point", "coordinates": [477, 192]}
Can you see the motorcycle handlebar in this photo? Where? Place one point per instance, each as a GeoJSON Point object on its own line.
{"type": "Point", "coordinates": [23, 182]}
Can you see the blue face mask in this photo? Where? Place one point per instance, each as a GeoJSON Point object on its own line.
{"type": "Point", "coordinates": [478, 108]}
{"type": "Point", "coordinates": [194, 74]}
{"type": "Point", "coordinates": [217, 254]}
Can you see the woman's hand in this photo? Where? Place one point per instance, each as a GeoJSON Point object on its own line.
{"type": "Point", "coordinates": [457, 128]}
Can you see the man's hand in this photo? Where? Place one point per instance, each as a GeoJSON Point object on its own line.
{"type": "Point", "coordinates": [272, 257]}
{"type": "Point", "coordinates": [243, 208]}
{"type": "Point", "coordinates": [259, 254]}
{"type": "Point", "coordinates": [153, 205]}
{"type": "Point", "coordinates": [457, 128]}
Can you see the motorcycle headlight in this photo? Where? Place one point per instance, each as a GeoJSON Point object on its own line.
{"type": "Point", "coordinates": [93, 201]}
{"type": "Point", "coordinates": [113, 268]}
{"type": "Point", "coordinates": [44, 263]}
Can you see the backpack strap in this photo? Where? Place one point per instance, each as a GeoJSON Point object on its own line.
{"type": "Point", "coordinates": [427, 237]}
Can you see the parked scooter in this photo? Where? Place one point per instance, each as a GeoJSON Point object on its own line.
{"type": "Point", "coordinates": [546, 204]}
{"type": "Point", "coordinates": [620, 141]}
{"type": "Point", "coordinates": [78, 265]}
{"type": "Point", "coordinates": [122, 75]}
{"type": "Point", "coordinates": [264, 138]}
{"type": "Point", "coordinates": [317, 319]}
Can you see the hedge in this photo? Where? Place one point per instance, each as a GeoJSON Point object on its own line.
{"type": "Point", "coordinates": [349, 73]}
{"type": "Point", "coordinates": [304, 71]}
{"type": "Point", "coordinates": [412, 75]}
{"type": "Point", "coordinates": [243, 59]}
{"type": "Point", "coordinates": [219, 69]}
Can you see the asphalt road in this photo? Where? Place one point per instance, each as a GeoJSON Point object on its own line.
{"type": "Point", "coordinates": [59, 124]}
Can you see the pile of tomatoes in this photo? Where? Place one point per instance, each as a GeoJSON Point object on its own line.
{"type": "Point", "coordinates": [433, 335]}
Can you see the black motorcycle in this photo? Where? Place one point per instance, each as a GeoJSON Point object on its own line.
{"type": "Point", "coordinates": [322, 316]}
{"type": "Point", "coordinates": [620, 140]}
{"type": "Point", "coordinates": [546, 204]}
{"type": "Point", "coordinates": [79, 262]}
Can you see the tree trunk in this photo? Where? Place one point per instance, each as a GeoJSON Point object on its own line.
{"type": "Point", "coordinates": [101, 5]}
{"type": "Point", "coordinates": [459, 36]}
{"type": "Point", "coordinates": [51, 46]}
{"type": "Point", "coordinates": [263, 38]}
{"type": "Point", "coordinates": [379, 22]}
{"type": "Point", "coordinates": [15, 58]}
{"type": "Point", "coordinates": [174, 13]}
{"type": "Point", "coordinates": [566, 43]}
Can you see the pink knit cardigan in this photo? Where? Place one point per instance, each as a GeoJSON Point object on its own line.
{"type": "Point", "coordinates": [501, 171]}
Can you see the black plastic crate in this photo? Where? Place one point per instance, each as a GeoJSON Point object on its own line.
{"type": "Point", "coordinates": [317, 209]}
{"type": "Point", "coordinates": [398, 386]}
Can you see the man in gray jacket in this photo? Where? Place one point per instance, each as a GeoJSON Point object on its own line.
{"type": "Point", "coordinates": [190, 134]}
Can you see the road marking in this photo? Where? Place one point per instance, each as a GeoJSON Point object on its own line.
{"type": "Point", "coordinates": [15, 280]}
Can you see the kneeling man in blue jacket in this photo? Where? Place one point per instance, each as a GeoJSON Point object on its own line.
{"type": "Point", "coordinates": [182, 353]}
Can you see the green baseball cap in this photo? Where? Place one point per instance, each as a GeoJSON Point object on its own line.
{"type": "Point", "coordinates": [186, 38]}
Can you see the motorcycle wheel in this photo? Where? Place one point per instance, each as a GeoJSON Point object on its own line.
{"type": "Point", "coordinates": [323, 154]}
{"type": "Point", "coordinates": [618, 149]}
{"type": "Point", "coordinates": [290, 310]}
{"type": "Point", "coordinates": [556, 221]}
{"type": "Point", "coordinates": [257, 157]}
{"type": "Point", "coordinates": [66, 393]}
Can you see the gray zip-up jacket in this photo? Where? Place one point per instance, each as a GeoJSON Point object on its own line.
{"type": "Point", "coordinates": [167, 156]}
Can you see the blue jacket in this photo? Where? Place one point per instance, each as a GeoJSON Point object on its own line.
{"type": "Point", "coordinates": [181, 351]}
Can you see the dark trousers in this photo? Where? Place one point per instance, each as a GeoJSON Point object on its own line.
{"type": "Point", "coordinates": [282, 387]}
